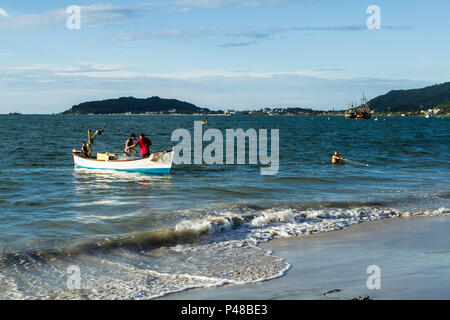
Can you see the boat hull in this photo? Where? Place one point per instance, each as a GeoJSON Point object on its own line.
{"type": "Point", "coordinates": [159, 163]}
{"type": "Point", "coordinates": [363, 116]}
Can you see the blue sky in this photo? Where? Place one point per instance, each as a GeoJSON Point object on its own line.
{"type": "Point", "coordinates": [218, 53]}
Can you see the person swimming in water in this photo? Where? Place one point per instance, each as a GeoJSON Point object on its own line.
{"type": "Point", "coordinates": [336, 159]}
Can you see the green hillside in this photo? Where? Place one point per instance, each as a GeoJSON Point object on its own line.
{"type": "Point", "coordinates": [412, 100]}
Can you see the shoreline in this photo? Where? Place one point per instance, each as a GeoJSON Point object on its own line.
{"type": "Point", "coordinates": [340, 115]}
{"type": "Point", "coordinates": [413, 254]}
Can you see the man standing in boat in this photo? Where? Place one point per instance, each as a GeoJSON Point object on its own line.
{"type": "Point", "coordinates": [144, 145]}
{"type": "Point", "coordinates": [129, 144]}
{"type": "Point", "coordinates": [84, 150]}
{"type": "Point", "coordinates": [336, 159]}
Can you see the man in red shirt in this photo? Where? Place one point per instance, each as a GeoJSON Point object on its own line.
{"type": "Point", "coordinates": [144, 145]}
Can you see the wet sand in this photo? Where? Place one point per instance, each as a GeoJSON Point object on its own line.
{"type": "Point", "coordinates": [413, 255]}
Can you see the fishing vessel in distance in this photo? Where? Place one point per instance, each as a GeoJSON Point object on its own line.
{"type": "Point", "coordinates": [159, 163]}
{"type": "Point", "coordinates": [361, 112]}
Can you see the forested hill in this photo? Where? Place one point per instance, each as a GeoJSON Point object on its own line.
{"type": "Point", "coordinates": [135, 106]}
{"type": "Point", "coordinates": [412, 100]}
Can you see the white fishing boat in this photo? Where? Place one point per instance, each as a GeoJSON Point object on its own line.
{"type": "Point", "coordinates": [160, 162]}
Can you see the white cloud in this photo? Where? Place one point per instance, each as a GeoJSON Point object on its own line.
{"type": "Point", "coordinates": [238, 44]}
{"type": "Point", "coordinates": [256, 34]}
{"type": "Point", "coordinates": [95, 15]}
{"type": "Point", "coordinates": [225, 3]}
{"type": "Point", "coordinates": [110, 74]}
{"type": "Point", "coordinates": [208, 88]}
{"type": "Point", "coordinates": [3, 12]}
{"type": "Point", "coordinates": [212, 92]}
{"type": "Point", "coordinates": [52, 68]}
{"type": "Point", "coordinates": [117, 72]}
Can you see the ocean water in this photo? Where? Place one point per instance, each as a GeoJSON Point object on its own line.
{"type": "Point", "coordinates": [138, 236]}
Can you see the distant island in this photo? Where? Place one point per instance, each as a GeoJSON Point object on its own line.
{"type": "Point", "coordinates": [433, 99]}
{"type": "Point", "coordinates": [130, 105]}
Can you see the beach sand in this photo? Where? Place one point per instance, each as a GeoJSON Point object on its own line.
{"type": "Point", "coordinates": [413, 255]}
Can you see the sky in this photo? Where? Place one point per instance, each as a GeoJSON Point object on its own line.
{"type": "Point", "coordinates": [218, 54]}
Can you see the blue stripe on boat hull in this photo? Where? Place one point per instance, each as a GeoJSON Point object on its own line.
{"type": "Point", "coordinates": [150, 170]}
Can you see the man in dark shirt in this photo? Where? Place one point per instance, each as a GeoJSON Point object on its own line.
{"type": "Point", "coordinates": [129, 143]}
{"type": "Point", "coordinates": [84, 150]}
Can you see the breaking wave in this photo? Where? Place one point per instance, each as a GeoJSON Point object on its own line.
{"type": "Point", "coordinates": [221, 248]}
